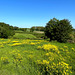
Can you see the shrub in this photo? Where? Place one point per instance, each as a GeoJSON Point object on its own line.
{"type": "Point", "coordinates": [58, 30]}
{"type": "Point", "coordinates": [5, 30]}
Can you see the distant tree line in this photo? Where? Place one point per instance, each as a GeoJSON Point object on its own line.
{"type": "Point", "coordinates": [17, 28]}
{"type": "Point", "coordinates": [55, 29]}
{"type": "Point", "coordinates": [37, 28]}
{"type": "Point", "coordinates": [73, 30]}
{"type": "Point", "coordinates": [7, 30]}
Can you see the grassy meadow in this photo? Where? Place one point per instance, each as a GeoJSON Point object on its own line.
{"type": "Point", "coordinates": [36, 57]}
{"type": "Point", "coordinates": [23, 36]}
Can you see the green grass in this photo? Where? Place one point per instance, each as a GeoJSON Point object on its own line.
{"type": "Point", "coordinates": [37, 34]}
{"type": "Point", "coordinates": [18, 31]}
{"type": "Point", "coordinates": [23, 36]}
{"type": "Point", "coordinates": [29, 55]}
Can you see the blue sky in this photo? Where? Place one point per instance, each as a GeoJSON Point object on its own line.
{"type": "Point", "coordinates": [28, 13]}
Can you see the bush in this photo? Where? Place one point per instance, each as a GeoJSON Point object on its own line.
{"type": "Point", "coordinates": [32, 29]}
{"type": "Point", "coordinates": [58, 30]}
{"type": "Point", "coordinates": [3, 33]}
{"type": "Point", "coordinates": [5, 30]}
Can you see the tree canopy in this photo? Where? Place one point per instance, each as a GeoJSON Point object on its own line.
{"type": "Point", "coordinates": [6, 30]}
{"type": "Point", "coordinates": [58, 30]}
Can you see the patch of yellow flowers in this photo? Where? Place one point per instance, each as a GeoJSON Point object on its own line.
{"type": "Point", "coordinates": [49, 47]}
{"type": "Point", "coordinates": [1, 46]}
{"type": "Point", "coordinates": [4, 60]}
{"type": "Point", "coordinates": [16, 44]}
{"type": "Point", "coordinates": [15, 41]}
{"type": "Point", "coordinates": [55, 64]}
{"type": "Point", "coordinates": [44, 62]}
{"type": "Point", "coordinates": [65, 47]}
{"type": "Point", "coordinates": [60, 68]}
{"type": "Point", "coordinates": [17, 56]}
{"type": "Point", "coordinates": [32, 43]}
{"type": "Point", "coordinates": [73, 49]}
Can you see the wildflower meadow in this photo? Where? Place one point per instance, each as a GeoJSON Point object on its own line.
{"type": "Point", "coordinates": [36, 57]}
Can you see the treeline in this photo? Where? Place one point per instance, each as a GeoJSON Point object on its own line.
{"type": "Point", "coordinates": [60, 30]}
{"type": "Point", "coordinates": [33, 28]}
{"type": "Point", "coordinates": [7, 30]}
{"type": "Point", "coordinates": [37, 28]}
{"type": "Point", "coordinates": [17, 28]}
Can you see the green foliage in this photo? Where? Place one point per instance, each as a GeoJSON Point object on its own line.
{"type": "Point", "coordinates": [18, 31]}
{"type": "Point", "coordinates": [26, 34]}
{"type": "Point", "coordinates": [39, 35]}
{"type": "Point", "coordinates": [73, 30]}
{"type": "Point", "coordinates": [6, 30]}
{"type": "Point", "coordinates": [15, 28]}
{"type": "Point", "coordinates": [32, 29]}
{"type": "Point", "coordinates": [23, 36]}
{"type": "Point", "coordinates": [72, 35]}
{"type": "Point", "coordinates": [37, 28]}
{"type": "Point", "coordinates": [3, 33]}
{"type": "Point", "coordinates": [23, 29]}
{"type": "Point", "coordinates": [58, 30]}
{"type": "Point", "coordinates": [27, 59]}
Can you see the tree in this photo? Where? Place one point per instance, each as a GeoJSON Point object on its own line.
{"type": "Point", "coordinates": [15, 28]}
{"type": "Point", "coordinates": [58, 30]}
{"type": "Point", "coordinates": [37, 28]}
{"type": "Point", "coordinates": [6, 30]}
{"type": "Point", "coordinates": [23, 29]}
{"type": "Point", "coordinates": [32, 29]}
{"type": "Point", "coordinates": [3, 33]}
